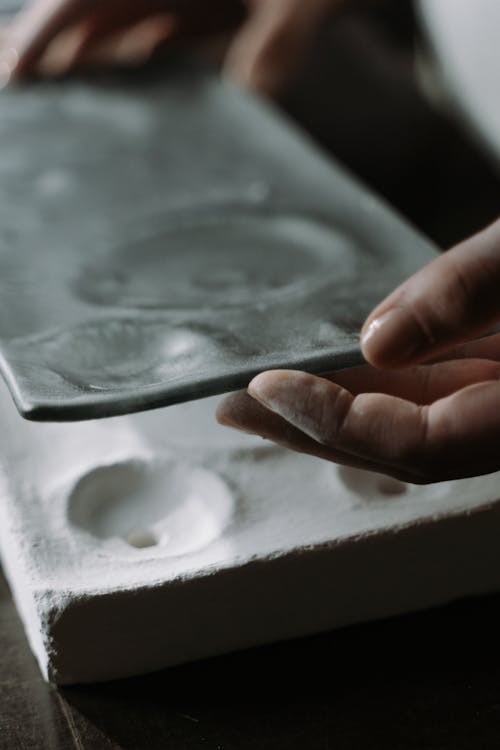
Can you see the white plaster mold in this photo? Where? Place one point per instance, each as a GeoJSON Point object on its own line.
{"type": "Point", "coordinates": [140, 542]}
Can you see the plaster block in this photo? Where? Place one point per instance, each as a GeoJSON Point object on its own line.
{"type": "Point", "coordinates": [140, 542]}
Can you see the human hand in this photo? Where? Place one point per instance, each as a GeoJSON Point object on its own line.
{"type": "Point", "coordinates": [54, 36]}
{"type": "Point", "coordinates": [421, 411]}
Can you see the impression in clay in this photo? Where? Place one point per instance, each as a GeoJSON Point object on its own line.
{"type": "Point", "coordinates": [192, 268]}
{"type": "Point", "coordinates": [125, 352]}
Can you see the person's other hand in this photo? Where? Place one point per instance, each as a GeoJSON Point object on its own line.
{"type": "Point", "coordinates": [427, 407]}
{"type": "Point", "coordinates": [51, 37]}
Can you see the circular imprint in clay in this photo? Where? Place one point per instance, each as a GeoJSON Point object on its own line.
{"type": "Point", "coordinates": [175, 506]}
{"type": "Point", "coordinates": [217, 261]}
{"type": "Point", "coordinates": [133, 353]}
{"type": "Point", "coordinates": [369, 485]}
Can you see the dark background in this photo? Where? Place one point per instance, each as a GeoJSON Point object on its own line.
{"type": "Point", "coordinates": [425, 681]}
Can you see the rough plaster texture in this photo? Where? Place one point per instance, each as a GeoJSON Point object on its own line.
{"type": "Point", "coordinates": [140, 542]}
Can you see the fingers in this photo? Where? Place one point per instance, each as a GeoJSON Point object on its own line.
{"type": "Point", "coordinates": [422, 384]}
{"type": "Point", "coordinates": [246, 413]}
{"type": "Point", "coordinates": [242, 412]}
{"type": "Point", "coordinates": [487, 347]}
{"type": "Point", "coordinates": [463, 432]}
{"type": "Point", "coordinates": [272, 41]}
{"type": "Point", "coordinates": [133, 36]}
{"type": "Point", "coordinates": [269, 44]}
{"type": "Point", "coordinates": [52, 35]}
{"type": "Point", "coordinates": [34, 28]}
{"type": "Point", "coordinates": [361, 426]}
{"type": "Point", "coordinates": [454, 437]}
{"type": "Point", "coordinates": [451, 300]}
{"type": "Point", "coordinates": [128, 44]}
{"type": "Point", "coordinates": [90, 31]}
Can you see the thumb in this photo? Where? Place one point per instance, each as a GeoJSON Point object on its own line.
{"type": "Point", "coordinates": [449, 301]}
{"type": "Point", "coordinates": [272, 41]}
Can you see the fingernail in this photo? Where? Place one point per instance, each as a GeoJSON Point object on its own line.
{"type": "Point", "coordinates": [393, 338]}
{"type": "Point", "coordinates": [259, 389]}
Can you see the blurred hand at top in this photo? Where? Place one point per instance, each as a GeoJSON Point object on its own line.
{"type": "Point", "coordinates": [53, 37]}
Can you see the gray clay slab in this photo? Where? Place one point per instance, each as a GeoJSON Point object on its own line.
{"type": "Point", "coordinates": [164, 237]}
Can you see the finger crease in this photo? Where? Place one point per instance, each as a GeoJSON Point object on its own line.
{"type": "Point", "coordinates": [424, 436]}
{"type": "Point", "coordinates": [342, 413]}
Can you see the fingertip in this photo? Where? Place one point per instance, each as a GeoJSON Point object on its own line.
{"type": "Point", "coordinates": [233, 412]}
{"type": "Point", "coordinates": [226, 410]}
{"type": "Point", "coordinates": [260, 382]}
{"type": "Point", "coordinates": [393, 338]}
{"type": "Point", "coordinates": [266, 386]}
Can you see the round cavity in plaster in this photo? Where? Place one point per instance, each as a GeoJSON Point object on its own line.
{"type": "Point", "coordinates": [369, 485]}
{"type": "Point", "coordinates": [132, 352]}
{"type": "Point", "coordinates": [173, 506]}
{"type": "Point", "coordinates": [219, 260]}
{"type": "Point", "coordinates": [141, 538]}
